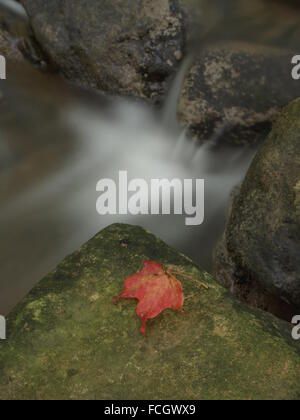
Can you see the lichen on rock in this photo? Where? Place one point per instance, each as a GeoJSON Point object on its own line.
{"type": "Point", "coordinates": [237, 85]}
{"type": "Point", "coordinates": [122, 47]}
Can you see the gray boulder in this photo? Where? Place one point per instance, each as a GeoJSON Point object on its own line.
{"type": "Point", "coordinates": [242, 84]}
{"type": "Point", "coordinates": [122, 46]}
{"type": "Point", "coordinates": [259, 257]}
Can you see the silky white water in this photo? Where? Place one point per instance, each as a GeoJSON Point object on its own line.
{"type": "Point", "coordinates": [49, 213]}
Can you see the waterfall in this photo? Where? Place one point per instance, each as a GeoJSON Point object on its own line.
{"type": "Point", "coordinates": [14, 7]}
{"type": "Point", "coordinates": [169, 114]}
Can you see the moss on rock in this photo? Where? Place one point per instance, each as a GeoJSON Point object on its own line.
{"type": "Point", "coordinates": [68, 340]}
{"type": "Point", "coordinates": [262, 238]}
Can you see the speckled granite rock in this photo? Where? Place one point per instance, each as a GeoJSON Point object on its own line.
{"type": "Point", "coordinates": [243, 84]}
{"type": "Point", "coordinates": [68, 340]}
{"type": "Point", "coordinates": [122, 46]}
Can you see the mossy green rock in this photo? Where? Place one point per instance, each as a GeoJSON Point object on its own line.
{"type": "Point", "coordinates": [68, 339]}
{"type": "Point", "coordinates": [262, 237]}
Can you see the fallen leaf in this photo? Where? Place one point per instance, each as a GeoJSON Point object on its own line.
{"type": "Point", "coordinates": [156, 290]}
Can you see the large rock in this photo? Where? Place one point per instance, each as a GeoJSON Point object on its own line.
{"type": "Point", "coordinates": [240, 85]}
{"type": "Point", "coordinates": [121, 46]}
{"type": "Point", "coordinates": [68, 339]}
{"type": "Point", "coordinates": [261, 245]}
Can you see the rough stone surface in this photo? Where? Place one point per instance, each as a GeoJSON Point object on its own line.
{"type": "Point", "coordinates": [68, 340]}
{"type": "Point", "coordinates": [261, 245]}
{"type": "Point", "coordinates": [8, 48]}
{"type": "Point", "coordinates": [123, 46]}
{"type": "Point", "coordinates": [242, 84]}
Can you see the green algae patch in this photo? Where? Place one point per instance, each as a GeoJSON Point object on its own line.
{"type": "Point", "coordinates": [67, 340]}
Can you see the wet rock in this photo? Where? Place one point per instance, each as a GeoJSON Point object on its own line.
{"type": "Point", "coordinates": [9, 48]}
{"type": "Point", "coordinates": [239, 86]}
{"type": "Point", "coordinates": [13, 18]}
{"type": "Point", "coordinates": [68, 340]}
{"type": "Point", "coordinates": [259, 256]}
{"type": "Point", "coordinates": [123, 47]}
{"type": "Point", "coordinates": [16, 38]}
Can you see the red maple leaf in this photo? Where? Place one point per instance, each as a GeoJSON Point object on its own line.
{"type": "Point", "coordinates": [156, 290]}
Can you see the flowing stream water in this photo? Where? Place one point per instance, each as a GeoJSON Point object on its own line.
{"type": "Point", "coordinates": [52, 158]}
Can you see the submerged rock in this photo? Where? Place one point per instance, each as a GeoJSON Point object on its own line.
{"type": "Point", "coordinates": [238, 85]}
{"type": "Point", "coordinates": [259, 256]}
{"type": "Point", "coordinates": [124, 47]}
{"type": "Point", "coordinates": [68, 340]}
